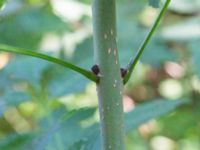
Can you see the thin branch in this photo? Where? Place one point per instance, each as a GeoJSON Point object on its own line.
{"type": "Point", "coordinates": [86, 73]}
{"type": "Point", "coordinates": [136, 58]}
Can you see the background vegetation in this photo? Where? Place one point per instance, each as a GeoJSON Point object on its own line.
{"type": "Point", "coordinates": [45, 106]}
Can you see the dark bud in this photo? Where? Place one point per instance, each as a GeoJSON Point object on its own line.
{"type": "Point", "coordinates": [95, 69]}
{"type": "Point", "coordinates": [123, 72]}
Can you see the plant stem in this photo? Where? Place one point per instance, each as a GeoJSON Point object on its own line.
{"type": "Point", "coordinates": [110, 84]}
{"type": "Point", "coordinates": [86, 73]}
{"type": "Point", "coordinates": [136, 58]}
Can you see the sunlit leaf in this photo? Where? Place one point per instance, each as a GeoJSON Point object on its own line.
{"type": "Point", "coordinates": [2, 3]}
{"type": "Point", "coordinates": [182, 31]}
{"type": "Point", "coordinates": [185, 6]}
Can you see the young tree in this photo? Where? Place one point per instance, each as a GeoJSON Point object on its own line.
{"type": "Point", "coordinates": [109, 77]}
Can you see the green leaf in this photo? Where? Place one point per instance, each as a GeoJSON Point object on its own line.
{"type": "Point", "coordinates": [32, 23]}
{"type": "Point", "coordinates": [14, 98]}
{"type": "Point", "coordinates": [133, 119]}
{"type": "Point", "coordinates": [60, 130]}
{"type": "Point", "coordinates": [83, 54]}
{"type": "Point", "coordinates": [89, 138]}
{"type": "Point", "coordinates": [91, 142]}
{"type": "Point", "coordinates": [154, 3]}
{"type": "Point", "coordinates": [62, 81]}
{"type": "Point", "coordinates": [162, 51]}
{"type": "Point", "coordinates": [1, 3]}
{"type": "Point", "coordinates": [73, 67]}
{"type": "Point", "coordinates": [173, 122]}
{"type": "Point", "coordinates": [78, 145]}
{"type": "Point", "coordinates": [5, 81]}
{"type": "Point", "coordinates": [25, 69]}
{"type": "Point", "coordinates": [148, 111]}
{"type": "Point", "coordinates": [15, 142]}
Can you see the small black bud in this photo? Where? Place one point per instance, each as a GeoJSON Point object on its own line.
{"type": "Point", "coordinates": [95, 69]}
{"type": "Point", "coordinates": [123, 72]}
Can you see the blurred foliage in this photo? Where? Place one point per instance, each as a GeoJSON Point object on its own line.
{"type": "Point", "coordinates": [2, 3]}
{"type": "Point", "coordinates": [46, 107]}
{"type": "Point", "coordinates": [154, 3]}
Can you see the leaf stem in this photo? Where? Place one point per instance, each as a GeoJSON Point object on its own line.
{"type": "Point", "coordinates": [130, 67]}
{"type": "Point", "coordinates": [86, 73]}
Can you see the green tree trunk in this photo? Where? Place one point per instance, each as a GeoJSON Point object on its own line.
{"type": "Point", "coordinates": [110, 84]}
